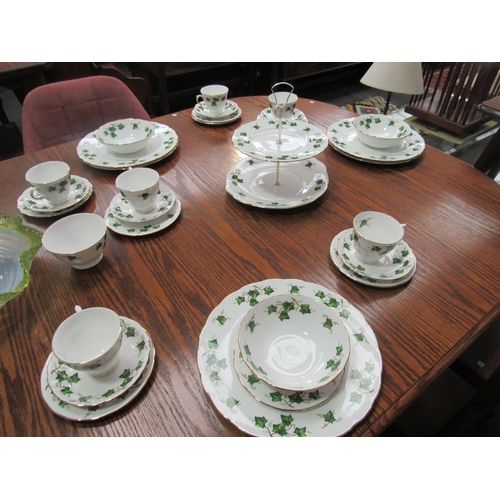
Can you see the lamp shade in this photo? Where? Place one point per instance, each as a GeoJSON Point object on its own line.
{"type": "Point", "coordinates": [400, 77]}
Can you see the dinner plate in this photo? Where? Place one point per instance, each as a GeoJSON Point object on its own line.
{"type": "Point", "coordinates": [349, 405]}
{"type": "Point", "coordinates": [396, 264]}
{"type": "Point", "coordinates": [80, 388]}
{"type": "Point", "coordinates": [201, 114]}
{"type": "Point", "coordinates": [252, 182]}
{"type": "Point", "coordinates": [343, 137]}
{"type": "Point", "coordinates": [162, 144]}
{"type": "Point", "coordinates": [88, 413]}
{"type": "Point", "coordinates": [143, 228]}
{"type": "Point", "coordinates": [268, 115]}
{"type": "Point", "coordinates": [347, 271]}
{"type": "Point", "coordinates": [299, 141]}
{"type": "Point", "coordinates": [81, 191]}
{"type": "Point", "coordinates": [123, 211]}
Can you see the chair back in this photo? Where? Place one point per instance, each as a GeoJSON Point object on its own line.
{"type": "Point", "coordinates": [64, 111]}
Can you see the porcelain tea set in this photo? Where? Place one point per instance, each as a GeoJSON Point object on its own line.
{"type": "Point", "coordinates": [213, 106]}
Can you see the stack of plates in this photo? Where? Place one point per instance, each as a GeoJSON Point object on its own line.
{"type": "Point", "coordinates": [77, 395]}
{"type": "Point", "coordinates": [202, 114]}
{"type": "Point", "coordinates": [268, 115]}
{"type": "Point", "coordinates": [241, 388]}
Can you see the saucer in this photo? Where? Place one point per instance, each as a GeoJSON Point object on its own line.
{"type": "Point", "coordinates": [347, 271]}
{"type": "Point", "coordinates": [80, 191]}
{"type": "Point", "coordinates": [396, 264]}
{"type": "Point", "coordinates": [122, 210]}
{"type": "Point", "coordinates": [143, 228]}
{"type": "Point", "coordinates": [268, 115]}
{"type": "Point", "coordinates": [201, 114]}
{"type": "Point", "coordinates": [252, 182]}
{"type": "Point", "coordinates": [88, 413]}
{"type": "Point", "coordinates": [79, 388]}
{"type": "Point", "coordinates": [162, 144]}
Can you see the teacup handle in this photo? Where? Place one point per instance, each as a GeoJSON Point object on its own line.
{"type": "Point", "coordinates": [123, 326]}
{"type": "Point", "coordinates": [198, 97]}
{"type": "Point", "coordinates": [35, 194]}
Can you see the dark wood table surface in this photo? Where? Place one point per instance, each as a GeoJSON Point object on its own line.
{"type": "Point", "coordinates": [171, 281]}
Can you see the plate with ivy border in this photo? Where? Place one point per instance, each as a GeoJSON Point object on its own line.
{"type": "Point", "coordinates": [349, 405]}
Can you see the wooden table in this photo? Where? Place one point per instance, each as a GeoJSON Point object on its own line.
{"type": "Point", "coordinates": [171, 281]}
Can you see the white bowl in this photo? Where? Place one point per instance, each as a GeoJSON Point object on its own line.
{"type": "Point", "coordinates": [381, 131]}
{"type": "Point", "coordinates": [294, 343]}
{"type": "Point", "coordinates": [77, 239]}
{"type": "Point", "coordinates": [89, 340]}
{"type": "Point", "coordinates": [125, 136]}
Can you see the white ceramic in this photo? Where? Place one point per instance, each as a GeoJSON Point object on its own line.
{"type": "Point", "coordinates": [163, 143]}
{"type": "Point", "coordinates": [80, 388]}
{"type": "Point", "coordinates": [293, 342]}
{"type": "Point", "coordinates": [214, 98]}
{"type": "Point", "coordinates": [139, 186]}
{"type": "Point", "coordinates": [381, 131]}
{"type": "Point", "coordinates": [143, 228]}
{"type": "Point", "coordinates": [77, 239]}
{"type": "Point", "coordinates": [375, 234]}
{"type": "Point", "coordinates": [50, 182]}
{"type": "Point", "coordinates": [90, 340]}
{"type": "Point", "coordinates": [350, 404]}
{"type": "Point", "coordinates": [252, 182]}
{"type": "Point", "coordinates": [125, 136]}
{"type": "Point", "coordinates": [90, 413]}
{"type": "Point", "coordinates": [282, 104]}
{"type": "Point", "coordinates": [395, 264]}
{"type": "Point", "coordinates": [365, 280]}
{"type": "Point", "coordinates": [343, 137]}
{"type": "Point", "coordinates": [259, 139]}
{"type": "Point", "coordinates": [268, 115]}
{"type": "Point", "coordinates": [231, 113]}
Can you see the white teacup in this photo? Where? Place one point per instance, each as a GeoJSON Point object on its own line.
{"type": "Point", "coordinates": [282, 104]}
{"type": "Point", "coordinates": [90, 340]}
{"type": "Point", "coordinates": [139, 186]}
{"type": "Point", "coordinates": [214, 98]}
{"type": "Point", "coordinates": [375, 235]}
{"type": "Point", "coordinates": [50, 180]}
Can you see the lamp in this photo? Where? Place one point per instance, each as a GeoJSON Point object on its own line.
{"type": "Point", "coordinates": [400, 77]}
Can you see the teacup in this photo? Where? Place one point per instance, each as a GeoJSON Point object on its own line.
{"type": "Point", "coordinates": [375, 235]}
{"type": "Point", "coordinates": [50, 180]}
{"type": "Point", "coordinates": [90, 340]}
{"type": "Point", "coordinates": [139, 187]}
{"type": "Point", "coordinates": [282, 104]}
{"type": "Point", "coordinates": [214, 98]}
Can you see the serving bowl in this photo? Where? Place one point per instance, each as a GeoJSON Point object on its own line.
{"type": "Point", "coordinates": [293, 342]}
{"type": "Point", "coordinates": [125, 136]}
{"type": "Point", "coordinates": [380, 131]}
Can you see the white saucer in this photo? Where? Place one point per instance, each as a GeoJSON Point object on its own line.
{"type": "Point", "coordinates": [201, 114]}
{"type": "Point", "coordinates": [81, 190]}
{"type": "Point", "coordinates": [268, 115]}
{"type": "Point", "coordinates": [252, 182]}
{"type": "Point", "coordinates": [143, 228]}
{"type": "Point", "coordinates": [347, 271]}
{"type": "Point", "coordinates": [122, 210]}
{"type": "Point", "coordinates": [396, 264]}
{"type": "Point", "coordinates": [79, 388]}
{"type": "Point", "coordinates": [162, 144]}
{"type": "Point", "coordinates": [88, 413]}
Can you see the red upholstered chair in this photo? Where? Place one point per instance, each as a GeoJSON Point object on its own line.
{"type": "Point", "coordinates": [65, 111]}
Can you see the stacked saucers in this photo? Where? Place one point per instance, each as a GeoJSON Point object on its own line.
{"type": "Point", "coordinates": [202, 114]}
{"type": "Point", "coordinates": [80, 394]}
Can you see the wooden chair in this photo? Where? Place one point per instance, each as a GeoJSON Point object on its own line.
{"type": "Point", "coordinates": [68, 110]}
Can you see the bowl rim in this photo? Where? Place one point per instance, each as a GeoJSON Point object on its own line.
{"type": "Point", "coordinates": [357, 126]}
{"type": "Point", "coordinates": [118, 144]}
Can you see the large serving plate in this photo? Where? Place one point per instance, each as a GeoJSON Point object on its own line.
{"type": "Point", "coordinates": [343, 137]}
{"type": "Point", "coordinates": [162, 144]}
{"type": "Point", "coordinates": [259, 139]}
{"type": "Point", "coordinates": [252, 182]}
{"type": "Point", "coordinates": [350, 404]}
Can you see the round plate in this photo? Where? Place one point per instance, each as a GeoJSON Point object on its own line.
{"type": "Point", "coordinates": [143, 228]}
{"type": "Point", "coordinates": [349, 405]}
{"type": "Point", "coordinates": [200, 114]}
{"type": "Point", "coordinates": [89, 413]}
{"type": "Point", "coordinates": [122, 210]}
{"type": "Point", "coordinates": [258, 139]}
{"type": "Point", "coordinates": [343, 137]}
{"type": "Point", "coordinates": [268, 116]}
{"type": "Point", "coordinates": [347, 271]}
{"type": "Point", "coordinates": [162, 144]}
{"type": "Point", "coordinates": [396, 264]}
{"type": "Point", "coordinates": [252, 182]}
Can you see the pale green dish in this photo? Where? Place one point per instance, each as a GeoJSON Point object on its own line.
{"type": "Point", "coordinates": [18, 247]}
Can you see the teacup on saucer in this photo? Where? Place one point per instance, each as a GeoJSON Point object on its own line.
{"type": "Point", "coordinates": [230, 108]}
